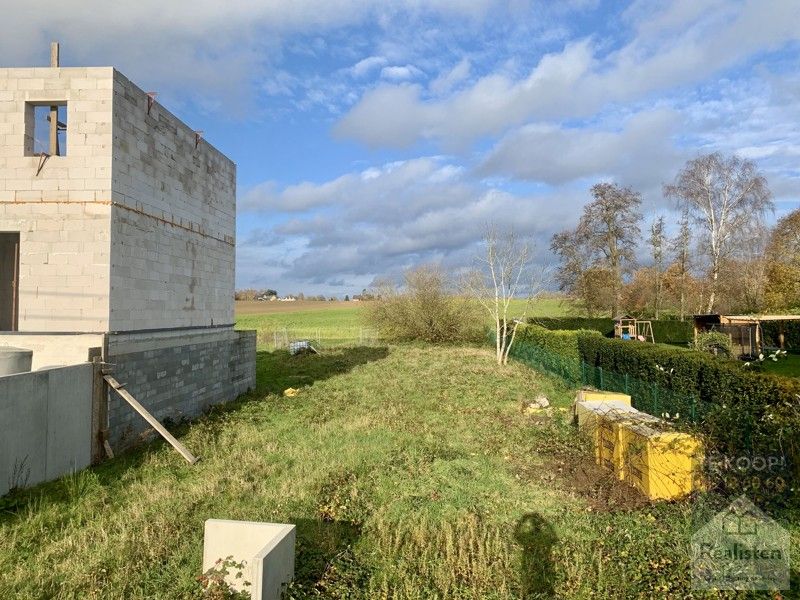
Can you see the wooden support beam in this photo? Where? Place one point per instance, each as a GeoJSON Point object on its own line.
{"type": "Point", "coordinates": [53, 131]}
{"type": "Point", "coordinates": [117, 387]}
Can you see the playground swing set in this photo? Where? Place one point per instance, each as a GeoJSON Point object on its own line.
{"type": "Point", "coordinates": [630, 328]}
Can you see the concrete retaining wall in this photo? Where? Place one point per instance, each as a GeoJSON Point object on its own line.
{"type": "Point", "coordinates": [45, 425]}
{"type": "Point", "coordinates": [176, 375]}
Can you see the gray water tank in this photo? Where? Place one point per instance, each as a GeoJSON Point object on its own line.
{"type": "Point", "coordinates": [15, 360]}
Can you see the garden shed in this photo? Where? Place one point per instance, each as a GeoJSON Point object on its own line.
{"type": "Point", "coordinates": [745, 331]}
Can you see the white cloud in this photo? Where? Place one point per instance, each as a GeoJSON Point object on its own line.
{"type": "Point", "coordinates": [640, 153]}
{"type": "Point", "coordinates": [447, 81]}
{"type": "Point", "coordinates": [367, 65]}
{"type": "Point", "coordinates": [400, 73]}
{"type": "Point", "coordinates": [580, 80]}
{"type": "Point", "coordinates": [217, 51]}
{"type": "Point", "coordinates": [384, 219]}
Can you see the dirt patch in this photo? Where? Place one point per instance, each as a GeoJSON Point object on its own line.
{"type": "Point", "coordinates": [567, 462]}
{"type": "Point", "coordinates": [579, 474]}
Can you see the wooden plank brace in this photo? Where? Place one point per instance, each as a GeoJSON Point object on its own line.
{"type": "Point", "coordinates": [117, 387]}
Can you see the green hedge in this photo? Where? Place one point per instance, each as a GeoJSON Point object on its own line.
{"type": "Point", "coordinates": [604, 326]}
{"type": "Point", "coordinates": [742, 412]}
{"type": "Point", "coordinates": [791, 334]}
{"type": "Point", "coordinates": [666, 331]}
{"type": "Point", "coordinates": [553, 351]}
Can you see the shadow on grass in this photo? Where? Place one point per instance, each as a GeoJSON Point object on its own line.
{"type": "Point", "coordinates": [537, 573]}
{"type": "Point", "coordinates": [275, 371]}
{"type": "Point", "coordinates": [278, 370]}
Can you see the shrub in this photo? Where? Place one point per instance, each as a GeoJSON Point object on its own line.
{"type": "Point", "coordinates": [714, 343]}
{"type": "Point", "coordinates": [425, 309]}
{"type": "Point", "coordinates": [561, 342]}
{"type": "Point", "coordinates": [604, 326]}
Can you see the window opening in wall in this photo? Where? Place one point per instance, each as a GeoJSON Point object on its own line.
{"type": "Point", "coordinates": [46, 129]}
{"type": "Point", "coordinates": [9, 281]}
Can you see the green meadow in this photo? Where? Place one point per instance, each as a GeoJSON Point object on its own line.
{"type": "Point", "coordinates": [410, 472]}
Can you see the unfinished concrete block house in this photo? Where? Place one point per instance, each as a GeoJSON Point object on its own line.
{"type": "Point", "coordinates": [117, 238]}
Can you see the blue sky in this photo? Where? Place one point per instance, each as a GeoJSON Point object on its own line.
{"type": "Point", "coordinates": [372, 136]}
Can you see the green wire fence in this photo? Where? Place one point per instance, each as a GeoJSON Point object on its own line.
{"type": "Point", "coordinates": [646, 396]}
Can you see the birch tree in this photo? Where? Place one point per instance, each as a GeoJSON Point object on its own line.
{"type": "Point", "coordinates": [723, 196]}
{"type": "Point", "coordinates": [504, 273]}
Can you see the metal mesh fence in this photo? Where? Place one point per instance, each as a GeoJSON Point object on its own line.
{"type": "Point", "coordinates": [646, 396]}
{"type": "Point", "coordinates": [319, 337]}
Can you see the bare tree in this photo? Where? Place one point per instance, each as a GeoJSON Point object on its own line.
{"type": "Point", "coordinates": [657, 242]}
{"type": "Point", "coordinates": [504, 273]}
{"type": "Point", "coordinates": [723, 195]}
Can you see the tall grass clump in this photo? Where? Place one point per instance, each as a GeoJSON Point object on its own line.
{"type": "Point", "coordinates": [425, 308]}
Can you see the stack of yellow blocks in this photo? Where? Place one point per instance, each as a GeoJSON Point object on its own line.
{"type": "Point", "coordinates": [638, 448]}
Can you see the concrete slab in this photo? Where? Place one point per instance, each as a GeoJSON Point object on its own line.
{"type": "Point", "coordinates": [266, 548]}
{"type": "Point", "coordinates": [45, 425]}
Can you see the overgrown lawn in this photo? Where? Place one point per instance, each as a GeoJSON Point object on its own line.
{"type": "Point", "coordinates": [410, 472]}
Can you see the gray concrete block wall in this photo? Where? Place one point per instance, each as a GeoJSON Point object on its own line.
{"type": "Point", "coordinates": [62, 210]}
{"type": "Point", "coordinates": [134, 228]}
{"type": "Point", "coordinates": [173, 222]}
{"type": "Point", "coordinates": [45, 425]}
{"type": "Point", "coordinates": [163, 276]}
{"type": "Point", "coordinates": [177, 376]}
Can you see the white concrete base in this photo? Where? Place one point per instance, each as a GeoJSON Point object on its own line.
{"type": "Point", "coordinates": [266, 548]}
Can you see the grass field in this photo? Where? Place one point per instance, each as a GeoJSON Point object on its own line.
{"type": "Point", "coordinates": [335, 323]}
{"type": "Point", "coordinates": [787, 367]}
{"type": "Point", "coordinates": [410, 472]}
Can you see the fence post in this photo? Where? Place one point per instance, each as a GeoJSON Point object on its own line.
{"type": "Point", "coordinates": [655, 399]}
{"type": "Point", "coordinates": [602, 384]}
{"type": "Point", "coordinates": [626, 383]}
{"type": "Point", "coordinates": [99, 406]}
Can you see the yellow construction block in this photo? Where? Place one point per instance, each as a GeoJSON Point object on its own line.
{"type": "Point", "coordinates": [594, 413]}
{"type": "Point", "coordinates": [589, 404]}
{"type": "Point", "coordinates": [663, 465]}
{"type": "Point", "coordinates": [598, 396]}
{"type": "Point", "coordinates": [639, 448]}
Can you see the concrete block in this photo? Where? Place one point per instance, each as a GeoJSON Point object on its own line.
{"type": "Point", "coordinates": [266, 548]}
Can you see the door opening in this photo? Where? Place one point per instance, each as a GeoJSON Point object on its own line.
{"type": "Point", "coordinates": [9, 281]}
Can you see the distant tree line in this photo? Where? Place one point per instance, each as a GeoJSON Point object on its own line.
{"type": "Point", "coordinates": [719, 257]}
{"type": "Point", "coordinates": [266, 294]}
